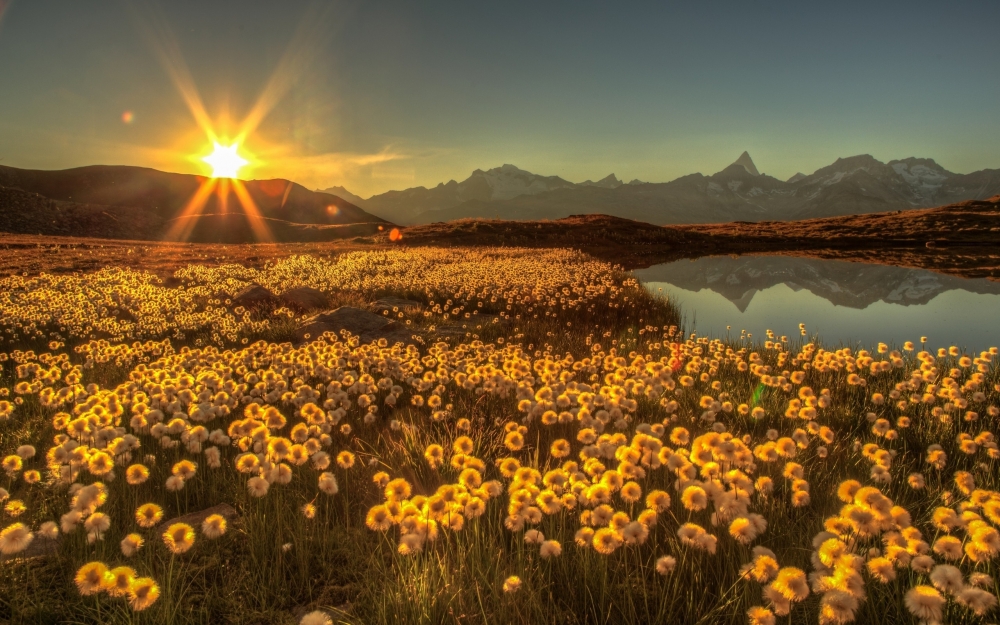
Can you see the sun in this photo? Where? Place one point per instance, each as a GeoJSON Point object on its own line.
{"type": "Point", "coordinates": [225, 161]}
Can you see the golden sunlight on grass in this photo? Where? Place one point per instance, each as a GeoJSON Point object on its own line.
{"type": "Point", "coordinates": [569, 454]}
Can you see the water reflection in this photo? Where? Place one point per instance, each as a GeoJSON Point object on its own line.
{"type": "Point", "coordinates": [849, 303]}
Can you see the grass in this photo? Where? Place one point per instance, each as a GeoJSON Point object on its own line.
{"type": "Point", "coordinates": [565, 318]}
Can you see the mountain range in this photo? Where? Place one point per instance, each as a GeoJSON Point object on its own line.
{"type": "Point", "coordinates": [854, 285]}
{"type": "Point", "coordinates": [140, 203]}
{"type": "Point", "coordinates": [854, 185]}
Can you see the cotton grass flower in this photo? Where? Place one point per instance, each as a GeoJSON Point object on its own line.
{"type": "Point", "coordinates": [512, 584]}
{"type": "Point", "coordinates": [120, 580]}
{"type": "Point", "coordinates": [378, 518]}
{"type": "Point", "coordinates": [550, 549]}
{"type": "Point", "coordinates": [328, 483]}
{"type": "Point", "coordinates": [131, 544]}
{"type": "Point", "coordinates": [791, 583]}
{"type": "Point", "coordinates": [665, 564]}
{"type": "Point", "coordinates": [758, 615]}
{"type": "Point", "coordinates": [92, 578]}
{"type": "Point", "coordinates": [345, 460]}
{"type": "Point", "coordinates": [694, 498]}
{"type": "Point", "coordinates": [48, 530]}
{"type": "Point", "coordinates": [837, 607]}
{"type": "Point", "coordinates": [15, 538]}
{"type": "Point", "coordinates": [143, 593]}
{"type": "Point", "coordinates": [316, 617]}
{"type": "Point", "coordinates": [148, 514]}
{"type": "Point", "coordinates": [947, 578]}
{"type": "Point", "coordinates": [179, 538]}
{"type": "Point", "coordinates": [258, 486]}
{"type": "Point", "coordinates": [174, 483]}
{"type": "Point", "coordinates": [925, 603]}
{"type": "Point", "coordinates": [213, 526]}
{"type": "Point", "coordinates": [948, 547]}
{"type": "Point", "coordinates": [976, 599]}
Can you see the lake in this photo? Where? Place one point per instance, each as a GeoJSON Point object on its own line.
{"type": "Point", "coordinates": [845, 303]}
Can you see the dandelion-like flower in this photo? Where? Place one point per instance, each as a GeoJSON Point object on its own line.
{"type": "Point", "coordinates": [92, 578]}
{"type": "Point", "coordinates": [143, 593]}
{"type": "Point", "coordinates": [924, 602]}
{"type": "Point", "coordinates": [213, 526]}
{"type": "Point", "coordinates": [550, 549]}
{"type": "Point", "coordinates": [665, 564]}
{"type": "Point", "coordinates": [119, 581]}
{"type": "Point", "coordinates": [512, 584]}
{"type": "Point", "coordinates": [131, 544]}
{"type": "Point", "coordinates": [179, 538]}
{"type": "Point", "coordinates": [316, 617]}
{"type": "Point", "coordinates": [15, 538]}
{"type": "Point", "coordinates": [258, 486]}
{"type": "Point", "coordinates": [148, 514]}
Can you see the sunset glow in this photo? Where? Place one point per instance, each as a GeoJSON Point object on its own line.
{"type": "Point", "coordinates": [225, 160]}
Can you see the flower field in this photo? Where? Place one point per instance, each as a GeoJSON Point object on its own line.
{"type": "Point", "coordinates": [568, 455]}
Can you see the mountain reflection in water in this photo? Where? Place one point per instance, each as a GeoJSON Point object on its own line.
{"type": "Point", "coordinates": [844, 302]}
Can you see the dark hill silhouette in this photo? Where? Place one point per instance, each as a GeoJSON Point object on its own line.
{"type": "Point", "coordinates": [141, 203]}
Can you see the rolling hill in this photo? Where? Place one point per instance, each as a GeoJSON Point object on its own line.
{"type": "Point", "coordinates": [141, 203]}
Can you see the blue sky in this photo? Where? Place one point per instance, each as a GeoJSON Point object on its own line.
{"type": "Point", "coordinates": [382, 95]}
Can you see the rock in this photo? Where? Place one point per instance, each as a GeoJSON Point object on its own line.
{"type": "Point", "coordinates": [255, 296]}
{"type": "Point", "coordinates": [388, 303]}
{"type": "Point", "coordinates": [367, 326]}
{"type": "Point", "coordinates": [195, 519]}
{"type": "Point", "coordinates": [304, 298]}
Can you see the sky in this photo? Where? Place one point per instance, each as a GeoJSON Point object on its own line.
{"type": "Point", "coordinates": [388, 95]}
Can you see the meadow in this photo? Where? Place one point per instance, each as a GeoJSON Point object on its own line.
{"type": "Point", "coordinates": [566, 455]}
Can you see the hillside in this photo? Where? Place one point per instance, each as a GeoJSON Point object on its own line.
{"type": "Point", "coordinates": [140, 203]}
{"type": "Point", "coordinates": [960, 239]}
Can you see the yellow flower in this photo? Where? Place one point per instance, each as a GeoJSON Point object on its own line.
{"type": "Point", "coordinates": [148, 514]}
{"type": "Point", "coordinates": [136, 474]}
{"type": "Point", "coordinates": [179, 537]}
{"type": "Point", "coordinates": [119, 581]}
{"type": "Point", "coordinates": [512, 584]}
{"type": "Point", "coordinates": [143, 593]}
{"type": "Point", "coordinates": [92, 577]}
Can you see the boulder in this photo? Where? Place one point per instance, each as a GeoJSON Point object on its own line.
{"type": "Point", "coordinates": [304, 298]}
{"type": "Point", "coordinates": [255, 296]}
{"type": "Point", "coordinates": [367, 326]}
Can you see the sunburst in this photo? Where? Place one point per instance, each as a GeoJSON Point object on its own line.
{"type": "Point", "coordinates": [225, 161]}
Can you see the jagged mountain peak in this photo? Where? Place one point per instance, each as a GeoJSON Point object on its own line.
{"type": "Point", "coordinates": [747, 163]}
{"type": "Point", "coordinates": [610, 181]}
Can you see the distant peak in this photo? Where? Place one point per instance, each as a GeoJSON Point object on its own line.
{"type": "Point", "coordinates": [747, 163]}
{"type": "Point", "coordinates": [796, 177]}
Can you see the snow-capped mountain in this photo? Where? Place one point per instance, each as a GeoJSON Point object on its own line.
{"type": "Point", "coordinates": [853, 185]}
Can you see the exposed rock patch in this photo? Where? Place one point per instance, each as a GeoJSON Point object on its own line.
{"type": "Point", "coordinates": [367, 326]}
{"type": "Point", "coordinates": [304, 298]}
{"type": "Point", "coordinates": [255, 296]}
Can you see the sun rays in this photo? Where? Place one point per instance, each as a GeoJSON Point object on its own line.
{"type": "Point", "coordinates": [226, 160]}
